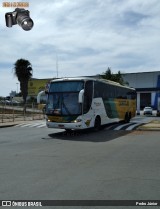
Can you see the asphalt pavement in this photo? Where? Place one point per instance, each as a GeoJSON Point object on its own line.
{"type": "Point", "coordinates": [45, 164]}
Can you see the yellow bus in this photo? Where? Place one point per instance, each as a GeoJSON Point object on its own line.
{"type": "Point", "coordinates": [80, 103]}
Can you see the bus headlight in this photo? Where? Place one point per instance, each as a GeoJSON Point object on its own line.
{"type": "Point", "coordinates": [47, 119]}
{"type": "Point", "coordinates": [77, 120]}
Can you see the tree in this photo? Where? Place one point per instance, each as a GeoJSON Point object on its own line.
{"type": "Point", "coordinates": [114, 77]}
{"type": "Point", "coordinates": [108, 74]}
{"type": "Point", "coordinates": [23, 71]}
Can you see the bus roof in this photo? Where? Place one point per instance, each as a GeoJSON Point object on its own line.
{"type": "Point", "coordinates": [91, 79]}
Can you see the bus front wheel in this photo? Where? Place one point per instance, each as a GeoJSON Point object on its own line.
{"type": "Point", "coordinates": [97, 123]}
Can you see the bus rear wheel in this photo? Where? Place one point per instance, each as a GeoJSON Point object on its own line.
{"type": "Point", "coordinates": [97, 123]}
{"type": "Point", "coordinates": [127, 118]}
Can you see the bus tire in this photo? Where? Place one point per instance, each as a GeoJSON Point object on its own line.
{"type": "Point", "coordinates": [68, 130]}
{"type": "Point", "coordinates": [127, 118]}
{"type": "Point", "coordinates": [97, 123]}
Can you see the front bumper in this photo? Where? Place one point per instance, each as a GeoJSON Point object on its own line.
{"type": "Point", "coordinates": [75, 126]}
{"type": "Point", "coordinates": [148, 113]}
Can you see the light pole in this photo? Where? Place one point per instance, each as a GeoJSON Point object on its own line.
{"type": "Point", "coordinates": [57, 64]}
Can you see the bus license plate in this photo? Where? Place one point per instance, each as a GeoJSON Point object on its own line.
{"type": "Point", "coordinates": [61, 126]}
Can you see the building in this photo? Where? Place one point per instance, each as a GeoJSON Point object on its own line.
{"type": "Point", "coordinates": [147, 85]}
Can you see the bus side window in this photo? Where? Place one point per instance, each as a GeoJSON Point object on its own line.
{"type": "Point", "coordinates": [88, 96]}
{"type": "Point", "coordinates": [131, 95]}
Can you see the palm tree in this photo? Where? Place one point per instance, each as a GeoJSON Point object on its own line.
{"type": "Point", "coordinates": [23, 71]}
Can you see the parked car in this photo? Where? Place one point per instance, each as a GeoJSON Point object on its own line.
{"type": "Point", "coordinates": [148, 111]}
{"type": "Point", "coordinates": [7, 102]}
{"type": "Point", "coordinates": [15, 102]}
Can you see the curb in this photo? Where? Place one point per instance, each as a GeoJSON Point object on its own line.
{"type": "Point", "coordinates": [7, 126]}
{"type": "Point", "coordinates": [148, 129]}
{"type": "Point", "coordinates": [10, 124]}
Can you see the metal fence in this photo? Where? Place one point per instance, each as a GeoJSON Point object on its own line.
{"type": "Point", "coordinates": [12, 113]}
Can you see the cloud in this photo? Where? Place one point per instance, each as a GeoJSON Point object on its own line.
{"type": "Point", "coordinates": [87, 36]}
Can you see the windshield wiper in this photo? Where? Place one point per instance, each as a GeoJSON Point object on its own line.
{"type": "Point", "coordinates": [65, 106]}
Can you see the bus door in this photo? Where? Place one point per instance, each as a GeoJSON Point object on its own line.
{"type": "Point", "coordinates": [88, 96]}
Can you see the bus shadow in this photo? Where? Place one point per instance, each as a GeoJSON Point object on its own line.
{"type": "Point", "coordinates": [89, 135]}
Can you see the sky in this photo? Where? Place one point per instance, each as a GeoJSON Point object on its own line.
{"type": "Point", "coordinates": [81, 38]}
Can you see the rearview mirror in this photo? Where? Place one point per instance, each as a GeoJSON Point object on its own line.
{"type": "Point", "coordinates": [80, 96]}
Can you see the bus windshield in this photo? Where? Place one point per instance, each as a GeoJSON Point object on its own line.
{"type": "Point", "coordinates": [66, 86]}
{"type": "Point", "coordinates": [63, 98]}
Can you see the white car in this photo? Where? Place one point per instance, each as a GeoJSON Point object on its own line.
{"type": "Point", "coordinates": [148, 111]}
{"type": "Point", "coordinates": [7, 102]}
